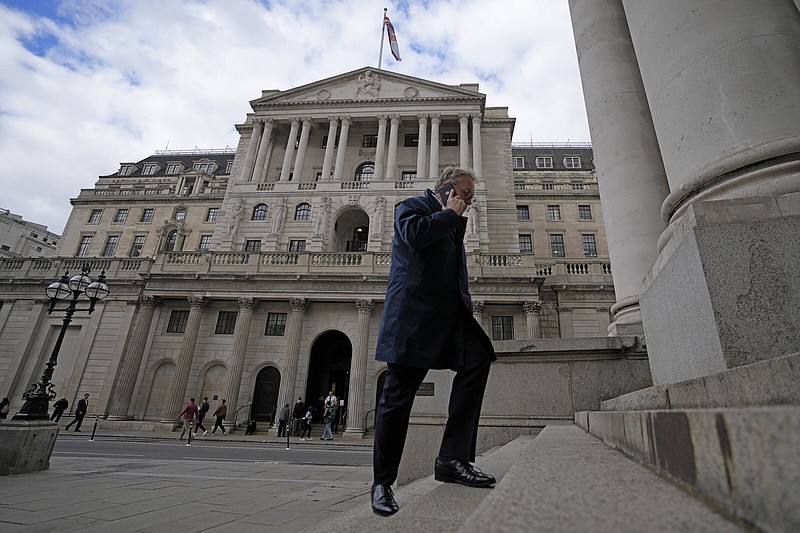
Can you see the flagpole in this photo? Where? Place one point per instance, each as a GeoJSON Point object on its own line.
{"type": "Point", "coordinates": [383, 23]}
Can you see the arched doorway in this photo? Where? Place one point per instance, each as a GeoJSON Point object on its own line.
{"type": "Point", "coordinates": [265, 395]}
{"type": "Point", "coordinates": [329, 368]}
{"type": "Point", "coordinates": [350, 231]}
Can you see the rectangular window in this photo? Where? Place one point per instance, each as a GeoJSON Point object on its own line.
{"type": "Point", "coordinates": [525, 244]}
{"type": "Point", "coordinates": [325, 141]}
{"type": "Point", "coordinates": [409, 175]}
{"type": "Point", "coordinates": [94, 216]}
{"type": "Point", "coordinates": [83, 247]}
{"type": "Point", "coordinates": [147, 215]}
{"type": "Point", "coordinates": [544, 162]}
{"type": "Point", "coordinates": [503, 328]}
{"type": "Point", "coordinates": [449, 139]}
{"type": "Point", "coordinates": [411, 140]}
{"type": "Point", "coordinates": [557, 245]}
{"type": "Point", "coordinates": [252, 246]}
{"type": "Point", "coordinates": [276, 324]}
{"type": "Point", "coordinates": [589, 245]}
{"type": "Point", "coordinates": [228, 167]}
{"type": "Point", "coordinates": [297, 246]}
{"type": "Point", "coordinates": [519, 162]}
{"type": "Point", "coordinates": [523, 213]}
{"type": "Point", "coordinates": [205, 243]}
{"type": "Point", "coordinates": [226, 322]}
{"type": "Point", "coordinates": [111, 246]}
{"type": "Point", "coordinates": [149, 169]}
{"type": "Point", "coordinates": [177, 321]}
{"type": "Point", "coordinates": [211, 214]}
{"type": "Point", "coordinates": [173, 168]}
{"type": "Point", "coordinates": [553, 212]}
{"type": "Point", "coordinates": [136, 247]}
{"type": "Point", "coordinates": [585, 212]}
{"type": "Point", "coordinates": [369, 141]}
{"type": "Point", "coordinates": [208, 168]}
{"type": "Point", "coordinates": [120, 216]}
{"type": "Point", "coordinates": [318, 176]}
{"type": "Point", "coordinates": [572, 162]}
{"type": "Point", "coordinates": [125, 170]}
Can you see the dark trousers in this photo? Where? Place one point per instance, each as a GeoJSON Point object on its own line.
{"type": "Point", "coordinates": [463, 415]}
{"type": "Point", "coordinates": [218, 424]}
{"type": "Point", "coordinates": [200, 418]}
{"type": "Point", "coordinates": [78, 420]}
{"type": "Point", "coordinates": [57, 415]}
{"type": "Point", "coordinates": [281, 428]}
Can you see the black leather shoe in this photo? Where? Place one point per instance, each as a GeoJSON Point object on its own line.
{"type": "Point", "coordinates": [383, 502]}
{"type": "Point", "coordinates": [457, 471]}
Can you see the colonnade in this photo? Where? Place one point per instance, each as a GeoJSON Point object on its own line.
{"type": "Point", "coordinates": [256, 159]}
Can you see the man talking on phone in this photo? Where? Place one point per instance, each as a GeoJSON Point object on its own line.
{"type": "Point", "coordinates": [428, 324]}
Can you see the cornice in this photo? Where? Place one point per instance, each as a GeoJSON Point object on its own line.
{"type": "Point", "coordinates": [361, 103]}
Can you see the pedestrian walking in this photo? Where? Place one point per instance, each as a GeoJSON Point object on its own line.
{"type": "Point", "coordinates": [189, 413]}
{"type": "Point", "coordinates": [251, 427]}
{"type": "Point", "coordinates": [201, 414]}
{"type": "Point", "coordinates": [298, 414]}
{"type": "Point", "coordinates": [58, 409]}
{"type": "Point", "coordinates": [220, 413]}
{"type": "Point", "coordinates": [327, 418]}
{"type": "Point", "coordinates": [283, 418]}
{"type": "Point", "coordinates": [80, 412]}
{"type": "Point", "coordinates": [307, 424]}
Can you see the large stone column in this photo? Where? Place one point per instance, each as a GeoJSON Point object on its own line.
{"type": "Point", "coordinates": [286, 168]}
{"type": "Point", "coordinates": [422, 138]}
{"type": "Point", "coordinates": [294, 328]}
{"type": "Point", "coordinates": [255, 136]}
{"type": "Point", "coordinates": [262, 158]}
{"type": "Point", "coordinates": [630, 174]}
{"type": "Point", "coordinates": [380, 149]}
{"type": "Point", "coordinates": [342, 150]}
{"type": "Point", "coordinates": [176, 394]}
{"type": "Point", "coordinates": [358, 371]}
{"type": "Point", "coordinates": [463, 140]}
{"type": "Point", "coordinates": [132, 360]}
{"type": "Point", "coordinates": [241, 334]}
{"type": "Point", "coordinates": [301, 150]}
{"type": "Point", "coordinates": [391, 160]}
{"type": "Point", "coordinates": [435, 138]}
{"type": "Point", "coordinates": [327, 162]}
{"type": "Point", "coordinates": [532, 310]}
{"type": "Point", "coordinates": [477, 154]}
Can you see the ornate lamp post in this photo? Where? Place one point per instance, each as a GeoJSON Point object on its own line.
{"type": "Point", "coordinates": [37, 399]}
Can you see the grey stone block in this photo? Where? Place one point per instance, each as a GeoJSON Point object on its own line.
{"type": "Point", "coordinates": [648, 398]}
{"type": "Point", "coordinates": [26, 445]}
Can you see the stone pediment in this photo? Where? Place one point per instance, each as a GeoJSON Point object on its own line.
{"type": "Point", "coordinates": [368, 85]}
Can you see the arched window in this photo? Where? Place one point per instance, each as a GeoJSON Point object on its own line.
{"type": "Point", "coordinates": [303, 212]}
{"type": "Point", "coordinates": [180, 213]}
{"type": "Point", "coordinates": [171, 242]}
{"type": "Point", "coordinates": [260, 212]}
{"type": "Point", "coordinates": [365, 172]}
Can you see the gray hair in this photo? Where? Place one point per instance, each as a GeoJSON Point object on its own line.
{"type": "Point", "coordinates": [453, 174]}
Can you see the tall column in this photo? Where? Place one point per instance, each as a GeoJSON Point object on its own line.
{"type": "Point", "coordinates": [391, 160]}
{"type": "Point", "coordinates": [532, 310]}
{"type": "Point", "coordinates": [255, 136]}
{"type": "Point", "coordinates": [176, 394]}
{"type": "Point", "coordinates": [463, 140]}
{"type": "Point", "coordinates": [435, 138]}
{"type": "Point", "coordinates": [262, 157]}
{"type": "Point", "coordinates": [422, 138]}
{"type": "Point", "coordinates": [241, 334]}
{"type": "Point", "coordinates": [301, 149]}
{"type": "Point", "coordinates": [327, 162]}
{"type": "Point", "coordinates": [358, 370]}
{"type": "Point", "coordinates": [630, 175]}
{"type": "Point", "coordinates": [294, 328]}
{"type": "Point", "coordinates": [477, 154]}
{"type": "Point", "coordinates": [340, 153]}
{"type": "Point", "coordinates": [477, 312]}
{"type": "Point", "coordinates": [132, 360]}
{"type": "Point", "coordinates": [286, 168]}
{"type": "Point", "coordinates": [380, 150]}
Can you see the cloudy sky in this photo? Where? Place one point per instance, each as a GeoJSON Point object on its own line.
{"type": "Point", "coordinates": [87, 84]}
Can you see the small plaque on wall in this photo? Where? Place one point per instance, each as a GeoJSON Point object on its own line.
{"type": "Point", "coordinates": [425, 389]}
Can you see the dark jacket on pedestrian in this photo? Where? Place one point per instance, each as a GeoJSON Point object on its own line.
{"type": "Point", "coordinates": [426, 306]}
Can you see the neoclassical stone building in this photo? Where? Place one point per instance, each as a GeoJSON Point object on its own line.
{"type": "Point", "coordinates": [258, 275]}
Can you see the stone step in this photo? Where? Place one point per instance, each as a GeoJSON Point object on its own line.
{"type": "Point", "coordinates": [561, 480]}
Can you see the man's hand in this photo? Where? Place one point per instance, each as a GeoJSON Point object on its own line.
{"type": "Point", "coordinates": [455, 203]}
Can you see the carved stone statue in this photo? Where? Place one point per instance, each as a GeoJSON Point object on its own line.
{"type": "Point", "coordinates": [368, 83]}
{"type": "Point", "coordinates": [378, 216]}
{"type": "Point", "coordinates": [472, 228]}
{"type": "Point", "coordinates": [280, 215]}
{"type": "Point", "coordinates": [236, 216]}
{"type": "Point", "coordinates": [322, 221]}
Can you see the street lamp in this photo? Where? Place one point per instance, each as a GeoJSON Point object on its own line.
{"type": "Point", "coordinates": [37, 399]}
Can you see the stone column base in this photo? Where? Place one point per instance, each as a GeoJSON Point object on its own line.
{"type": "Point", "coordinates": [26, 445]}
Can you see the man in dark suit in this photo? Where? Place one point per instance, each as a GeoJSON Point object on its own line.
{"type": "Point", "coordinates": [80, 412]}
{"type": "Point", "coordinates": [427, 324]}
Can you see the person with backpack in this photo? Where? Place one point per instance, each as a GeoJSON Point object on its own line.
{"type": "Point", "coordinates": [201, 414]}
{"type": "Point", "coordinates": [58, 409]}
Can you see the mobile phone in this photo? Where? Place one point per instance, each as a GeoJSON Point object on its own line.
{"type": "Point", "coordinates": [443, 192]}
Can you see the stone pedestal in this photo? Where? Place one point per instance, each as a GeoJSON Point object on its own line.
{"type": "Point", "coordinates": [26, 445]}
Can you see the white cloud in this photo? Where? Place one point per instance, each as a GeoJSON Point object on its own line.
{"type": "Point", "coordinates": [126, 78]}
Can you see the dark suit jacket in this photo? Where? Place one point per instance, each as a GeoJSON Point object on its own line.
{"type": "Point", "coordinates": [428, 304]}
{"type": "Point", "coordinates": [80, 410]}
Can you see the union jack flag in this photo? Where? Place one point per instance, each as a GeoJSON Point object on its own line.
{"type": "Point", "coordinates": [392, 38]}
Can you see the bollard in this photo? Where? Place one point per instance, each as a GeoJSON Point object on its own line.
{"type": "Point", "coordinates": [287, 439]}
{"type": "Point", "coordinates": [94, 429]}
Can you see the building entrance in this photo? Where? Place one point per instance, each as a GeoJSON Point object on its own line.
{"type": "Point", "coordinates": [265, 395]}
{"type": "Point", "coordinates": [329, 369]}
